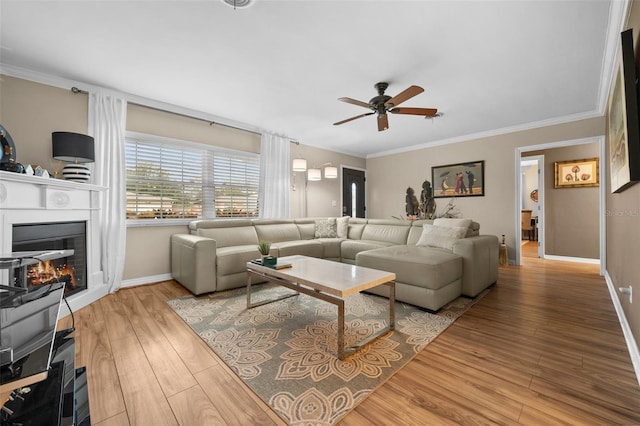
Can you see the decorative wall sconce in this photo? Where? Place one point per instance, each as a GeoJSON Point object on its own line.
{"type": "Point", "coordinates": [299, 165]}
{"type": "Point", "coordinates": [315, 174]}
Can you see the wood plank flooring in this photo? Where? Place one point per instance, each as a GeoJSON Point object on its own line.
{"type": "Point", "coordinates": [543, 347]}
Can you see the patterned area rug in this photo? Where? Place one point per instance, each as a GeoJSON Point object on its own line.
{"type": "Point", "coordinates": [286, 351]}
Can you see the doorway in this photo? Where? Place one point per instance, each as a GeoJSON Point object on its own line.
{"type": "Point", "coordinates": [532, 205]}
{"type": "Point", "coordinates": [353, 192]}
{"type": "Point", "coordinates": [552, 149]}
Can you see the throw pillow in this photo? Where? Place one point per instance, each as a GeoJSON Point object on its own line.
{"type": "Point", "coordinates": [440, 236]}
{"type": "Point", "coordinates": [326, 228]}
{"type": "Point", "coordinates": [342, 224]}
{"type": "Point", "coordinates": [452, 222]}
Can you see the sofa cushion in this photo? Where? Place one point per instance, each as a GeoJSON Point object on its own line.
{"type": "Point", "coordinates": [354, 231]}
{"type": "Point", "coordinates": [232, 260]}
{"type": "Point", "coordinates": [311, 248]}
{"type": "Point", "coordinates": [274, 231]}
{"type": "Point", "coordinates": [326, 228]}
{"type": "Point", "coordinates": [307, 230]}
{"type": "Point", "coordinates": [331, 247]}
{"type": "Point", "coordinates": [390, 231]}
{"type": "Point", "coordinates": [420, 266]}
{"type": "Point", "coordinates": [350, 248]}
{"type": "Point", "coordinates": [233, 236]}
{"type": "Point", "coordinates": [441, 236]}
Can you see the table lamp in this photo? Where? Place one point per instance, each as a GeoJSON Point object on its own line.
{"type": "Point", "coordinates": [76, 149]}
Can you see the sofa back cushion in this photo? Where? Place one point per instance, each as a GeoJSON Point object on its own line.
{"type": "Point", "coordinates": [277, 231]}
{"type": "Point", "coordinates": [231, 236]}
{"type": "Point", "coordinates": [306, 228]}
{"type": "Point", "coordinates": [355, 228]}
{"type": "Point", "coordinates": [391, 231]}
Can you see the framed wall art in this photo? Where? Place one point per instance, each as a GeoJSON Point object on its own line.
{"type": "Point", "coordinates": [623, 121]}
{"type": "Point", "coordinates": [577, 173]}
{"type": "Point", "coordinates": [458, 180]}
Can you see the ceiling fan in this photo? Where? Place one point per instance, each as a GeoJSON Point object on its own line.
{"type": "Point", "coordinates": [382, 104]}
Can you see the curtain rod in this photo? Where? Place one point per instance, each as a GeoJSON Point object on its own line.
{"type": "Point", "coordinates": [211, 123]}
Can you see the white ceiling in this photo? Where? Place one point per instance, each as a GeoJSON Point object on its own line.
{"type": "Point", "coordinates": [280, 66]}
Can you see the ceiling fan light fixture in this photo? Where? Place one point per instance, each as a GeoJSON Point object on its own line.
{"type": "Point", "coordinates": [238, 4]}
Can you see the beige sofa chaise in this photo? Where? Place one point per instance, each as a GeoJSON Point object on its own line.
{"type": "Point", "coordinates": [430, 272]}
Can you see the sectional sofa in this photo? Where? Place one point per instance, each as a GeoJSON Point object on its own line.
{"type": "Point", "coordinates": [434, 261]}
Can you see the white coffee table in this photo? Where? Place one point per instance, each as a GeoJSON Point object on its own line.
{"type": "Point", "coordinates": [329, 281]}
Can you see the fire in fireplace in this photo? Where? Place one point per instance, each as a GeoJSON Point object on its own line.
{"type": "Point", "coordinates": [71, 270]}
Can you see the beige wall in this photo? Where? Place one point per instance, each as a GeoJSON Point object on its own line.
{"type": "Point", "coordinates": [319, 195]}
{"type": "Point", "coordinates": [623, 229]}
{"type": "Point", "coordinates": [572, 214]}
{"type": "Point", "coordinates": [389, 176]}
{"type": "Point", "coordinates": [148, 250]}
{"type": "Point", "coordinates": [32, 111]}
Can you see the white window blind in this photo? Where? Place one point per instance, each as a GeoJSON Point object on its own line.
{"type": "Point", "coordinates": [168, 180]}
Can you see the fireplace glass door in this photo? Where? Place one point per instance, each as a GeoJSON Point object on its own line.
{"type": "Point", "coordinates": [71, 270]}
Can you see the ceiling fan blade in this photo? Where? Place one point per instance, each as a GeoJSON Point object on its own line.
{"type": "Point", "coordinates": [403, 96]}
{"type": "Point", "coordinates": [383, 122]}
{"type": "Point", "coordinates": [355, 102]}
{"type": "Point", "coordinates": [427, 112]}
{"type": "Point", "coordinates": [353, 118]}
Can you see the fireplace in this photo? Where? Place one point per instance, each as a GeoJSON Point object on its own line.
{"type": "Point", "coordinates": [71, 270]}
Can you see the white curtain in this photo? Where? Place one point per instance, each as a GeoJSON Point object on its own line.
{"type": "Point", "coordinates": [275, 172]}
{"type": "Point", "coordinates": [107, 124]}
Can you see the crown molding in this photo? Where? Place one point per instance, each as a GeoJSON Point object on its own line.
{"type": "Point", "coordinates": [492, 133]}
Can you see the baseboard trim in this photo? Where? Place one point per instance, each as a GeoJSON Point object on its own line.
{"type": "Point", "coordinates": [572, 259]}
{"type": "Point", "coordinates": [146, 280]}
{"type": "Point", "coordinates": [634, 352]}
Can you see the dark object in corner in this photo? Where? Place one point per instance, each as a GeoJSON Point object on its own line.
{"type": "Point", "coordinates": [8, 153]}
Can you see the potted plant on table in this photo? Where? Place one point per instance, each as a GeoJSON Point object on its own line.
{"type": "Point", "coordinates": [264, 247]}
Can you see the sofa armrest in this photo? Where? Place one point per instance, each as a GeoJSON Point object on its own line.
{"type": "Point", "coordinates": [193, 262]}
{"type": "Point", "coordinates": [479, 262]}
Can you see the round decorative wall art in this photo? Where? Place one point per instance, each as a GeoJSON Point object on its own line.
{"type": "Point", "coordinates": [534, 195]}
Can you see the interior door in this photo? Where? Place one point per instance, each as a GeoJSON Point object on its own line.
{"type": "Point", "coordinates": [353, 189]}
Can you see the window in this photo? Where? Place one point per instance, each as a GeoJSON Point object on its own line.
{"type": "Point", "coordinates": [168, 179]}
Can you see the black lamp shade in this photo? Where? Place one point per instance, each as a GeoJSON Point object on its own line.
{"type": "Point", "coordinates": [74, 147]}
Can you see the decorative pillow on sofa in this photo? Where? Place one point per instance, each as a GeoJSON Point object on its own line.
{"type": "Point", "coordinates": [342, 224]}
{"type": "Point", "coordinates": [452, 222]}
{"type": "Point", "coordinates": [441, 236]}
{"type": "Point", "coordinates": [326, 228]}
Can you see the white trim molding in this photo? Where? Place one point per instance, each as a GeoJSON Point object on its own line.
{"type": "Point", "coordinates": [153, 279]}
{"type": "Point", "coordinates": [632, 345]}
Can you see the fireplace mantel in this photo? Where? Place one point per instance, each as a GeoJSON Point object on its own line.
{"type": "Point", "coordinates": [35, 199]}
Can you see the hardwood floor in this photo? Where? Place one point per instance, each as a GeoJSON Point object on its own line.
{"type": "Point", "coordinates": [544, 346]}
